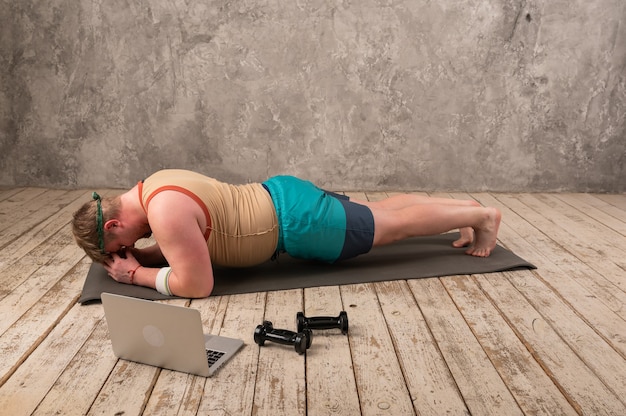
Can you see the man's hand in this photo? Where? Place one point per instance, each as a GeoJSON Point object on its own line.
{"type": "Point", "coordinates": [121, 266]}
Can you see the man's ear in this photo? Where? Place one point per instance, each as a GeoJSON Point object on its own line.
{"type": "Point", "coordinates": [110, 224]}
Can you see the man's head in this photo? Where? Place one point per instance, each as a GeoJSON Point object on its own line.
{"type": "Point", "coordinates": [88, 225]}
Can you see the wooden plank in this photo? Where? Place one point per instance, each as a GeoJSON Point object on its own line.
{"type": "Point", "coordinates": [610, 216]}
{"type": "Point", "coordinates": [608, 361]}
{"type": "Point", "coordinates": [6, 193]}
{"type": "Point", "coordinates": [611, 243]}
{"type": "Point", "coordinates": [129, 385]}
{"type": "Point", "coordinates": [15, 273]}
{"type": "Point", "coordinates": [482, 389]}
{"type": "Point", "coordinates": [27, 294]}
{"type": "Point", "coordinates": [429, 381]}
{"type": "Point", "coordinates": [55, 256]}
{"type": "Point", "coordinates": [126, 390]}
{"type": "Point", "coordinates": [582, 387]}
{"type": "Point", "coordinates": [578, 245]}
{"type": "Point", "coordinates": [534, 391]}
{"type": "Point", "coordinates": [617, 200]}
{"type": "Point", "coordinates": [597, 201]}
{"type": "Point", "coordinates": [331, 387]}
{"type": "Point", "coordinates": [36, 248]}
{"type": "Point", "coordinates": [231, 390]}
{"type": "Point", "coordinates": [577, 305]}
{"type": "Point", "coordinates": [280, 383]}
{"type": "Point", "coordinates": [24, 330]}
{"type": "Point", "coordinates": [21, 219]}
{"type": "Point", "coordinates": [27, 387]}
{"type": "Point", "coordinates": [593, 298]}
{"type": "Point", "coordinates": [179, 393]}
{"type": "Point", "coordinates": [174, 393]}
{"type": "Point", "coordinates": [380, 382]}
{"type": "Point", "coordinates": [75, 389]}
{"type": "Point", "coordinates": [47, 226]}
{"type": "Point", "coordinates": [12, 205]}
{"type": "Point", "coordinates": [608, 245]}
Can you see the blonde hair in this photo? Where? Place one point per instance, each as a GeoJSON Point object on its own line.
{"type": "Point", "coordinates": [85, 229]}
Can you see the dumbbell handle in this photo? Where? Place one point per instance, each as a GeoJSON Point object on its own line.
{"type": "Point", "coordinates": [281, 336]}
{"type": "Point", "coordinates": [300, 340]}
{"type": "Point", "coordinates": [323, 322]}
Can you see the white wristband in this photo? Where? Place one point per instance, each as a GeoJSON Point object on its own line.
{"type": "Point", "coordinates": [162, 283]}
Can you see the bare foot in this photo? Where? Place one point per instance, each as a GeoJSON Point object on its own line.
{"type": "Point", "coordinates": [486, 234]}
{"type": "Point", "coordinates": [467, 237]}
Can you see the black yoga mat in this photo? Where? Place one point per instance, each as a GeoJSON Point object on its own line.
{"type": "Point", "coordinates": [408, 259]}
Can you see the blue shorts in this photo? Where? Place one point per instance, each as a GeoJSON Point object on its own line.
{"type": "Point", "coordinates": [316, 224]}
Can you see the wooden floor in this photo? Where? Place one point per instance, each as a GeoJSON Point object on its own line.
{"type": "Point", "coordinates": [548, 341]}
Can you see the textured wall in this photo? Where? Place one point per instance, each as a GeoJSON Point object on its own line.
{"type": "Point", "coordinates": [499, 95]}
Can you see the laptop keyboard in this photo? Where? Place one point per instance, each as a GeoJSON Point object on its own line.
{"type": "Point", "coordinates": [212, 356]}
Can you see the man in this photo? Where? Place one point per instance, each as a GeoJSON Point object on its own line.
{"type": "Point", "coordinates": [198, 221]}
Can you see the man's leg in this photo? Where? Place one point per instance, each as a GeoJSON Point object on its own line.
{"type": "Point", "coordinates": [408, 200]}
{"type": "Point", "coordinates": [436, 218]}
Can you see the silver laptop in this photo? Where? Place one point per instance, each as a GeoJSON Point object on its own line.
{"type": "Point", "coordinates": [166, 336]}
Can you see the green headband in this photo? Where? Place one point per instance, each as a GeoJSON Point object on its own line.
{"type": "Point", "coordinates": [99, 221]}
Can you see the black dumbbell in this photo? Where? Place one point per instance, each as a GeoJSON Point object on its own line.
{"type": "Point", "coordinates": [322, 322]}
{"type": "Point", "coordinates": [301, 340]}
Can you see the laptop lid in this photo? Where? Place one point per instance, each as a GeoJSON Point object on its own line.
{"type": "Point", "coordinates": [163, 335]}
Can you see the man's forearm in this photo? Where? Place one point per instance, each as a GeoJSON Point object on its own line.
{"type": "Point", "coordinates": [150, 256]}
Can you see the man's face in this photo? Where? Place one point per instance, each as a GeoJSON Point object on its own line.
{"type": "Point", "coordinates": [119, 241]}
{"type": "Point", "coordinates": [117, 246]}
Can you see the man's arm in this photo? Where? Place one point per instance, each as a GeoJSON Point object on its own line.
{"type": "Point", "coordinates": [149, 256]}
{"type": "Point", "coordinates": [178, 225]}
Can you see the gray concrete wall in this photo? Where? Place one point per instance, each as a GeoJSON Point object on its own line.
{"type": "Point", "coordinates": [497, 95]}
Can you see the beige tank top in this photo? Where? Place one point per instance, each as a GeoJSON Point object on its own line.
{"type": "Point", "coordinates": [242, 228]}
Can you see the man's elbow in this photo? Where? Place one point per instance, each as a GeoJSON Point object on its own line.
{"type": "Point", "coordinates": [204, 291]}
{"type": "Point", "coordinates": [195, 288]}
{"type": "Point", "coordinates": [201, 289]}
